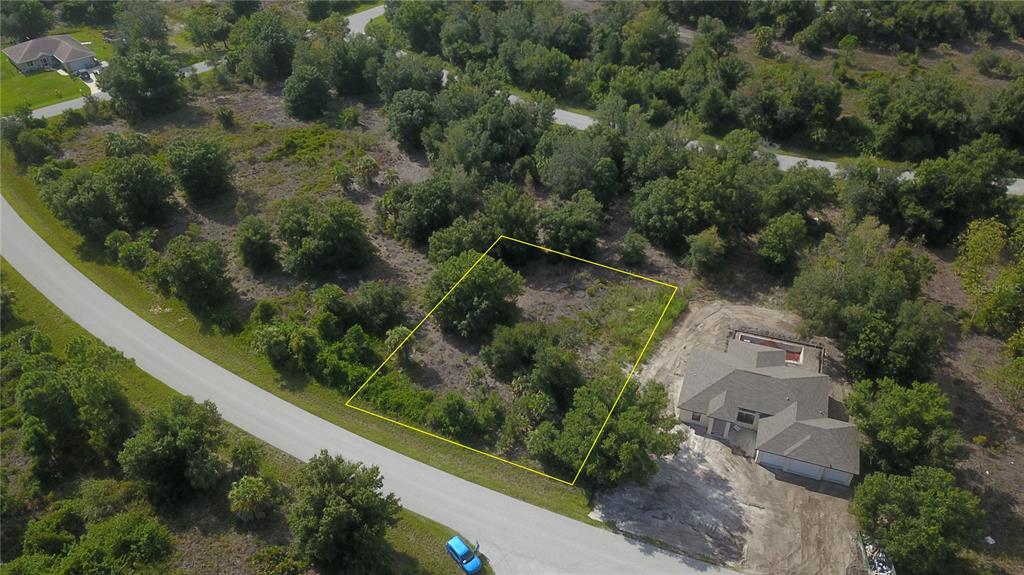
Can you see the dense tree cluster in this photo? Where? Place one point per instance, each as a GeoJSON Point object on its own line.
{"type": "Point", "coordinates": [922, 520]}
{"type": "Point", "coordinates": [73, 410]}
{"type": "Point", "coordinates": [874, 307]}
{"type": "Point", "coordinates": [123, 193]}
{"type": "Point", "coordinates": [341, 342]}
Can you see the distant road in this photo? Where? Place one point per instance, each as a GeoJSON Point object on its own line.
{"type": "Point", "coordinates": [357, 25]}
{"type": "Point", "coordinates": [516, 537]}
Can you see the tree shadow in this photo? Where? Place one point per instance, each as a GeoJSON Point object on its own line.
{"type": "Point", "coordinates": [1001, 522]}
{"type": "Point", "coordinates": [687, 505]}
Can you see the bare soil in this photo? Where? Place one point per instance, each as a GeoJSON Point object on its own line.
{"type": "Point", "coordinates": [709, 502]}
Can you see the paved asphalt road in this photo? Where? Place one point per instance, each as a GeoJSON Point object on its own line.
{"type": "Point", "coordinates": [515, 536]}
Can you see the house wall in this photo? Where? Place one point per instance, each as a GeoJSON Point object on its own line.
{"type": "Point", "coordinates": [687, 417]}
{"type": "Point", "coordinates": [802, 468]}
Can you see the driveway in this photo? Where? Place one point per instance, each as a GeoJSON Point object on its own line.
{"type": "Point", "coordinates": [515, 536]}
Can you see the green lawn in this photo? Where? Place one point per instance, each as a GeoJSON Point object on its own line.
{"type": "Point", "coordinates": [93, 40]}
{"type": "Point", "coordinates": [36, 89]}
{"type": "Point", "coordinates": [417, 542]}
{"type": "Point", "coordinates": [233, 353]}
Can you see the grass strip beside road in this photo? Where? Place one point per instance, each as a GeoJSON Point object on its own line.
{"type": "Point", "coordinates": [233, 353]}
{"type": "Point", "coordinates": [417, 543]}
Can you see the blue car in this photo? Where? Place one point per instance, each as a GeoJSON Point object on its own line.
{"type": "Point", "coordinates": [463, 555]}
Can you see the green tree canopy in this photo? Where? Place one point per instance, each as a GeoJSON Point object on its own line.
{"type": "Point", "coordinates": [922, 521]}
{"type": "Point", "coordinates": [202, 166]}
{"type": "Point", "coordinates": [143, 25]}
{"type": "Point", "coordinates": [255, 244]}
{"type": "Point", "coordinates": [575, 225]}
{"type": "Point", "coordinates": [142, 84]}
{"type": "Point", "coordinates": [306, 93]}
{"type": "Point", "coordinates": [176, 448]}
{"type": "Point", "coordinates": [639, 432]}
{"type": "Point", "coordinates": [25, 20]}
{"type": "Point", "coordinates": [904, 426]}
{"type": "Point", "coordinates": [484, 299]}
{"type": "Point", "coordinates": [262, 46]}
{"type": "Point", "coordinates": [322, 236]}
{"type": "Point", "coordinates": [195, 270]}
{"type": "Point", "coordinates": [341, 515]}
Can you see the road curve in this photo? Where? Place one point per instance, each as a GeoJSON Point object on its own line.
{"type": "Point", "coordinates": [516, 537]}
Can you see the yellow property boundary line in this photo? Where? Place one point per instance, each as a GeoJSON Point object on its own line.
{"type": "Point", "coordinates": [607, 418]}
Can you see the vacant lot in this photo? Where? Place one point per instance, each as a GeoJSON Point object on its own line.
{"type": "Point", "coordinates": [601, 317]}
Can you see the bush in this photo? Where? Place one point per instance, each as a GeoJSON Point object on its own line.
{"type": "Point", "coordinates": [484, 299]}
{"type": "Point", "coordinates": [633, 249]}
{"type": "Point", "coordinates": [276, 560]}
{"type": "Point", "coordinates": [176, 449]}
{"type": "Point", "coordinates": [255, 244]}
{"type": "Point", "coordinates": [247, 456]}
{"type": "Point", "coordinates": [226, 117]}
{"type": "Point", "coordinates": [142, 84]}
{"type": "Point", "coordinates": [781, 239]}
{"type": "Point", "coordinates": [202, 165]}
{"type": "Point", "coordinates": [306, 93]}
{"type": "Point", "coordinates": [195, 271]}
{"type": "Point", "coordinates": [322, 236]}
{"type": "Point", "coordinates": [118, 145]}
{"type": "Point", "coordinates": [706, 251]}
{"type": "Point", "coordinates": [414, 211]}
{"type": "Point", "coordinates": [250, 497]}
{"type": "Point", "coordinates": [348, 118]}
{"type": "Point", "coordinates": [408, 113]}
{"type": "Point", "coordinates": [380, 306]}
{"type": "Point", "coordinates": [463, 235]}
{"type": "Point", "coordinates": [574, 226]}
{"type": "Point", "coordinates": [341, 514]}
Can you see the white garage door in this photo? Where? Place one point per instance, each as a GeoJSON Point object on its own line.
{"type": "Point", "coordinates": [805, 469]}
{"type": "Point", "coordinates": [771, 460]}
{"type": "Point", "coordinates": [836, 476]}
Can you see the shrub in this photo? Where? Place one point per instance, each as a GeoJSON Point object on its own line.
{"type": "Point", "coordinates": [633, 249]}
{"type": "Point", "coordinates": [255, 244]}
{"type": "Point", "coordinates": [306, 93]}
{"type": "Point", "coordinates": [706, 251]}
{"type": "Point", "coordinates": [250, 497]}
{"type": "Point", "coordinates": [226, 117]}
{"type": "Point", "coordinates": [202, 165]}
{"type": "Point", "coordinates": [574, 226]}
{"type": "Point", "coordinates": [322, 236]}
{"type": "Point", "coordinates": [484, 299]}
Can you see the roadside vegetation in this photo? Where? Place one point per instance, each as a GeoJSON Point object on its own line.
{"type": "Point", "coordinates": [89, 478]}
{"type": "Point", "coordinates": [293, 213]}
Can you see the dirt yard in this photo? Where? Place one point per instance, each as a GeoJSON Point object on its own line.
{"type": "Point", "coordinates": [707, 501]}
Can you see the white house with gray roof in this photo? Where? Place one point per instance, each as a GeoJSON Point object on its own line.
{"type": "Point", "coordinates": [51, 52]}
{"type": "Point", "coordinates": [750, 390]}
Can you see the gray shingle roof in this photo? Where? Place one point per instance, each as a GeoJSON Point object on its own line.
{"type": "Point", "coordinates": [795, 401]}
{"type": "Point", "coordinates": [63, 47]}
{"type": "Point", "coordinates": [767, 389]}
{"type": "Point", "coordinates": [822, 441]}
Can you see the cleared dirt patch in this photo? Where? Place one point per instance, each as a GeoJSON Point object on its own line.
{"type": "Point", "coordinates": [708, 501]}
